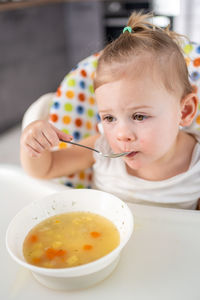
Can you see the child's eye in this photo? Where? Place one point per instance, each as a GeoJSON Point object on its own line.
{"type": "Point", "coordinates": [139, 117]}
{"type": "Point", "coordinates": [108, 118]}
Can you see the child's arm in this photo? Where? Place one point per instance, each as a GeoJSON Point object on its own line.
{"type": "Point", "coordinates": [36, 142]}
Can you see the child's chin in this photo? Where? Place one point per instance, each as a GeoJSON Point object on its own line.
{"type": "Point", "coordinates": [134, 165]}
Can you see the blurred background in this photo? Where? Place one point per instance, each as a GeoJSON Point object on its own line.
{"type": "Point", "coordinates": [41, 40]}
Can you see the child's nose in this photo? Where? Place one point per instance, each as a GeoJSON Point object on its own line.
{"type": "Point", "coordinates": [125, 134]}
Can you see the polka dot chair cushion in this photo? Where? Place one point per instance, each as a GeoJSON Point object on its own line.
{"type": "Point", "coordinates": [74, 111]}
{"type": "Point", "coordinates": [192, 57]}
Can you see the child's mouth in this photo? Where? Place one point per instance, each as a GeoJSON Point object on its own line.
{"type": "Point", "coordinates": [132, 154]}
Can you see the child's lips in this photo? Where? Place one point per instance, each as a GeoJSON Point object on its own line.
{"type": "Point", "coordinates": [132, 154]}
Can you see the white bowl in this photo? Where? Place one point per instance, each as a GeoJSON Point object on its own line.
{"type": "Point", "coordinates": [71, 200]}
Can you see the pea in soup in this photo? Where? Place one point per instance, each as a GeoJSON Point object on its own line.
{"type": "Point", "coordinates": [69, 240]}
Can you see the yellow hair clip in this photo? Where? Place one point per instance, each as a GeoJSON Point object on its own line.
{"type": "Point", "coordinates": [127, 28]}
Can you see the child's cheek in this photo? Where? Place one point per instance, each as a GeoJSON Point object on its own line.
{"type": "Point", "coordinates": [111, 140]}
{"type": "Point", "coordinates": [146, 143]}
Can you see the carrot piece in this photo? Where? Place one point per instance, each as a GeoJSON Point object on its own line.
{"type": "Point", "coordinates": [36, 260]}
{"type": "Point", "coordinates": [61, 252]}
{"type": "Point", "coordinates": [95, 234]}
{"type": "Point", "coordinates": [33, 238]}
{"type": "Point", "coordinates": [87, 247]}
{"type": "Point", "coordinates": [57, 221]}
{"type": "Point", "coordinates": [50, 253]}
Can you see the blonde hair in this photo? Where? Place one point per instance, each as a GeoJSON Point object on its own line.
{"type": "Point", "coordinates": [161, 45]}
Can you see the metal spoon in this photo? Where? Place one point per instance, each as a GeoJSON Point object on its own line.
{"type": "Point", "coordinates": [110, 155]}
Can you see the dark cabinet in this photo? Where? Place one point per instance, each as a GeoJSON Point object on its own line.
{"type": "Point", "coordinates": [38, 46]}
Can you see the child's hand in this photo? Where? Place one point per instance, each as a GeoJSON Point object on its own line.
{"type": "Point", "coordinates": [40, 136]}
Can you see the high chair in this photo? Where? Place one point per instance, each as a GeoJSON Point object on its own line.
{"type": "Point", "coordinates": [73, 110]}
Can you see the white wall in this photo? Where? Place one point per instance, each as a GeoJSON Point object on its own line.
{"type": "Point", "coordinates": [188, 21]}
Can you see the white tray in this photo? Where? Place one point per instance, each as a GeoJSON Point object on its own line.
{"type": "Point", "coordinates": [161, 261]}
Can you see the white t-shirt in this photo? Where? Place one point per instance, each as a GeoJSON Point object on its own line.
{"type": "Point", "coordinates": [180, 191]}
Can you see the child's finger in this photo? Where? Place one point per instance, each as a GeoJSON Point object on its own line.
{"type": "Point", "coordinates": [31, 151]}
{"type": "Point", "coordinates": [63, 135]}
{"type": "Point", "coordinates": [43, 140]}
{"type": "Point", "coordinates": [51, 136]}
{"type": "Point", "coordinates": [35, 145]}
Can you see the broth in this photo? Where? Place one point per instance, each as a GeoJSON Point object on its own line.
{"type": "Point", "coordinates": [70, 239]}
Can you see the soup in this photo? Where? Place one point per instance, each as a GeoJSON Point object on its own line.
{"type": "Point", "coordinates": [69, 240]}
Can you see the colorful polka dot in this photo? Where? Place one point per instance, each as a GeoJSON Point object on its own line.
{"type": "Point", "coordinates": [80, 186]}
{"type": "Point", "coordinates": [195, 75]}
{"type": "Point", "coordinates": [77, 135]}
{"type": "Point", "coordinates": [81, 97]}
{"type": "Point", "coordinates": [83, 73]}
{"type": "Point", "coordinates": [95, 64]}
{"type": "Point", "coordinates": [92, 75]}
{"type": "Point", "coordinates": [78, 122]}
{"type": "Point", "coordinates": [90, 177]}
{"type": "Point", "coordinates": [91, 89]}
{"type": "Point", "coordinates": [88, 125]}
{"type": "Point", "coordinates": [66, 119]}
{"type": "Point", "coordinates": [71, 82]}
{"type": "Point", "coordinates": [80, 109]}
{"type": "Point", "coordinates": [70, 94]}
{"type": "Point", "coordinates": [68, 107]}
{"type": "Point", "coordinates": [198, 120]}
{"type": "Point", "coordinates": [54, 117]}
{"type": "Point", "coordinates": [65, 130]}
{"type": "Point", "coordinates": [90, 113]}
{"type": "Point", "coordinates": [56, 105]}
{"type": "Point", "coordinates": [69, 184]}
{"type": "Point", "coordinates": [187, 60]}
{"type": "Point", "coordinates": [196, 62]}
{"type": "Point", "coordinates": [82, 175]}
{"type": "Point", "coordinates": [87, 134]}
{"type": "Point", "coordinates": [62, 145]}
{"type": "Point", "coordinates": [98, 117]}
{"type": "Point", "coordinates": [91, 100]}
{"type": "Point", "coordinates": [71, 176]}
{"type": "Point", "coordinates": [188, 48]}
{"type": "Point", "coordinates": [198, 49]}
{"type": "Point", "coordinates": [58, 93]}
{"type": "Point", "coordinates": [82, 84]}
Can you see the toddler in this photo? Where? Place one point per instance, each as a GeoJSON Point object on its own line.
{"type": "Point", "coordinates": [146, 103]}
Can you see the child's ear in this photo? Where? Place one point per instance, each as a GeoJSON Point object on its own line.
{"type": "Point", "coordinates": [189, 105]}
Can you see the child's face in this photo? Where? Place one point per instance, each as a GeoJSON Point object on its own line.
{"type": "Point", "coordinates": [139, 115]}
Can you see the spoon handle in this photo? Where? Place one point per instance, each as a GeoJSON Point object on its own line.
{"type": "Point", "coordinates": [76, 144]}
